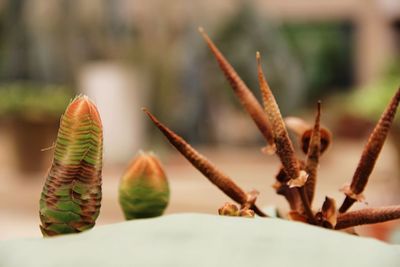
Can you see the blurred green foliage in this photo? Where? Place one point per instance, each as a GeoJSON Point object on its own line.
{"type": "Point", "coordinates": [370, 101]}
{"type": "Point", "coordinates": [324, 51]}
{"type": "Point", "coordinates": [34, 101]}
{"type": "Point", "coordinates": [248, 31]}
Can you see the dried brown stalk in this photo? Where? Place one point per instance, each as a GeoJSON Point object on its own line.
{"type": "Point", "coordinates": [367, 216]}
{"type": "Point", "coordinates": [296, 179]}
{"type": "Point", "coordinates": [291, 194]}
{"type": "Point", "coordinates": [246, 97]}
{"type": "Point", "coordinates": [222, 181]}
{"type": "Point", "coordinates": [284, 147]}
{"type": "Point", "coordinates": [370, 155]}
{"type": "Point", "coordinates": [313, 155]}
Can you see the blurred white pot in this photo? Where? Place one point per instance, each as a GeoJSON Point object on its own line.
{"type": "Point", "coordinates": [119, 94]}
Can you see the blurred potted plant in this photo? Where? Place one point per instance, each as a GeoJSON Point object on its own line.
{"type": "Point", "coordinates": [30, 112]}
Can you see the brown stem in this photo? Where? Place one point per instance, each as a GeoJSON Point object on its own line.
{"type": "Point", "coordinates": [313, 155]}
{"type": "Point", "coordinates": [306, 204]}
{"type": "Point", "coordinates": [284, 147]}
{"type": "Point", "coordinates": [223, 182]}
{"type": "Point", "coordinates": [371, 153]}
{"type": "Point", "coordinates": [246, 97]}
{"type": "Point", "coordinates": [367, 216]}
{"type": "Point", "coordinates": [291, 195]}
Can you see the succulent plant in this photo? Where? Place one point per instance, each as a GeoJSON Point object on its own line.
{"type": "Point", "coordinates": [296, 178]}
{"type": "Point", "coordinates": [144, 189]}
{"type": "Point", "coordinates": [71, 196]}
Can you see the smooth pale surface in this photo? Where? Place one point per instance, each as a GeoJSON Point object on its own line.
{"type": "Point", "coordinates": [201, 240]}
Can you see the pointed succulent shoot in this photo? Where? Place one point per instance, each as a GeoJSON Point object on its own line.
{"type": "Point", "coordinates": [144, 189]}
{"type": "Point", "coordinates": [215, 176]}
{"type": "Point", "coordinates": [304, 131]}
{"type": "Point", "coordinates": [244, 94]}
{"type": "Point", "coordinates": [313, 155]}
{"type": "Point", "coordinates": [367, 216]}
{"type": "Point", "coordinates": [71, 196]}
{"type": "Point", "coordinates": [284, 147]}
{"type": "Point", "coordinates": [327, 217]}
{"type": "Point", "coordinates": [370, 154]}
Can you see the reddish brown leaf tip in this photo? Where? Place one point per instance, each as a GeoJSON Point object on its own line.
{"type": "Point", "coordinates": [151, 116]}
{"type": "Point", "coordinates": [81, 106]}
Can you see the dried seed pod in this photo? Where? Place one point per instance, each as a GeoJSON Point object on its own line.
{"type": "Point", "coordinates": [244, 94]}
{"type": "Point", "coordinates": [367, 216]}
{"type": "Point", "coordinates": [304, 131]}
{"type": "Point", "coordinates": [144, 189]}
{"type": "Point", "coordinates": [284, 147]}
{"type": "Point", "coordinates": [223, 182]}
{"type": "Point", "coordinates": [313, 155]}
{"type": "Point", "coordinates": [370, 155]}
{"type": "Point", "coordinates": [71, 196]}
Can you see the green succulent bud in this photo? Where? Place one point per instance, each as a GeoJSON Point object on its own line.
{"type": "Point", "coordinates": [144, 189]}
{"type": "Point", "coordinates": [71, 196]}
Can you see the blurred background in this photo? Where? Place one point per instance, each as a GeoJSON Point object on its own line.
{"type": "Point", "coordinates": [129, 54]}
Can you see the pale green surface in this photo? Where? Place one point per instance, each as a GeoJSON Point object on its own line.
{"type": "Point", "coordinates": [201, 240]}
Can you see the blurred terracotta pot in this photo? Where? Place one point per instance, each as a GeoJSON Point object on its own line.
{"type": "Point", "coordinates": [30, 138]}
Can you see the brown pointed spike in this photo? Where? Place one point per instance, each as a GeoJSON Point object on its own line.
{"type": "Point", "coordinates": [367, 216]}
{"type": "Point", "coordinates": [284, 147]}
{"type": "Point", "coordinates": [246, 97]}
{"type": "Point", "coordinates": [370, 155]}
{"type": "Point", "coordinates": [223, 182]}
{"type": "Point", "coordinates": [313, 155]}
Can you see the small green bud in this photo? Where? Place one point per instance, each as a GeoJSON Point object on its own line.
{"type": "Point", "coordinates": [144, 189]}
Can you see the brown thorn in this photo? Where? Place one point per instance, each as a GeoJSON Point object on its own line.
{"type": "Point", "coordinates": [223, 182]}
{"type": "Point", "coordinates": [246, 97]}
{"type": "Point", "coordinates": [367, 216]}
{"type": "Point", "coordinates": [313, 155]}
{"type": "Point", "coordinates": [371, 152]}
{"type": "Point", "coordinates": [284, 147]}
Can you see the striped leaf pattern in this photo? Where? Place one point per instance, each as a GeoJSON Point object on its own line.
{"type": "Point", "coordinates": [71, 196]}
